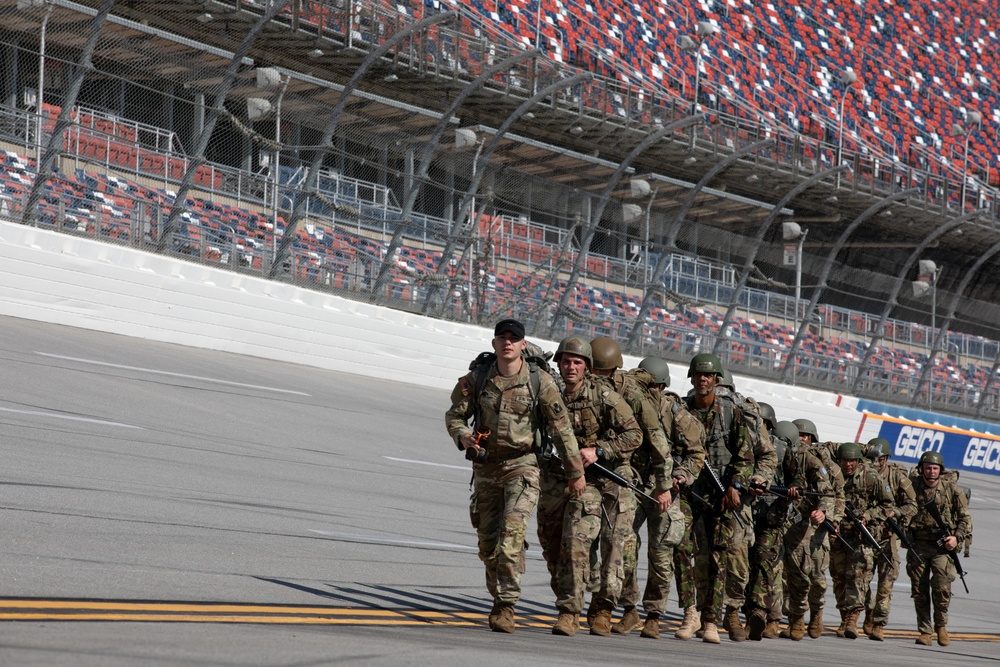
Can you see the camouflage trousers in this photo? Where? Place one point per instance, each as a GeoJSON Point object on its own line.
{"type": "Point", "coordinates": [683, 558]}
{"type": "Point", "coordinates": [852, 574]}
{"type": "Point", "coordinates": [660, 561]}
{"type": "Point", "coordinates": [503, 499]}
{"type": "Point", "coordinates": [605, 512]}
{"type": "Point", "coordinates": [877, 605]}
{"type": "Point", "coordinates": [722, 564]}
{"type": "Point", "coordinates": [930, 583]}
{"type": "Point", "coordinates": [807, 557]}
{"type": "Point", "coordinates": [764, 590]}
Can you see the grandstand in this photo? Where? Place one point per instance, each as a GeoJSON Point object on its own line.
{"type": "Point", "coordinates": [555, 160]}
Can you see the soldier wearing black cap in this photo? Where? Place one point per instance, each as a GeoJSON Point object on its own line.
{"type": "Point", "coordinates": [507, 400]}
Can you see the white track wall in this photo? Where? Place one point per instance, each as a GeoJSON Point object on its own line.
{"type": "Point", "coordinates": [73, 281]}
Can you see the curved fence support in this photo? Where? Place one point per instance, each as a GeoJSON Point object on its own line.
{"type": "Point", "coordinates": [301, 206]}
{"type": "Point", "coordinates": [598, 213]}
{"type": "Point", "coordinates": [45, 167]}
{"type": "Point", "coordinates": [942, 329]}
{"type": "Point", "coordinates": [758, 241]}
{"type": "Point", "coordinates": [892, 301]}
{"type": "Point", "coordinates": [460, 229]}
{"type": "Point", "coordinates": [828, 266]}
{"type": "Point", "coordinates": [420, 175]}
{"type": "Point", "coordinates": [670, 242]}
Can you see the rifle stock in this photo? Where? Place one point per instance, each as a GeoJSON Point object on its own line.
{"type": "Point", "coordinates": [865, 533]}
{"type": "Point", "coordinates": [894, 527]}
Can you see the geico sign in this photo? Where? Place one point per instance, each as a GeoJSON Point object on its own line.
{"type": "Point", "coordinates": [912, 441]}
{"type": "Point", "coordinates": [982, 453]}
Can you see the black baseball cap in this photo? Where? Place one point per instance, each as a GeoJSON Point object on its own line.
{"type": "Point", "coordinates": [512, 326]}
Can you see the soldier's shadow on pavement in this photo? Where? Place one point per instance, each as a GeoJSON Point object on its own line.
{"type": "Point", "coordinates": [371, 597]}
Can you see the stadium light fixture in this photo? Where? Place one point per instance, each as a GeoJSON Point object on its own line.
{"type": "Point", "coordinates": [314, 54]}
{"type": "Point", "coordinates": [794, 237]}
{"type": "Point", "coordinates": [847, 79]}
{"type": "Point", "coordinates": [204, 17]}
{"type": "Point", "coordinates": [576, 130]}
{"type": "Point", "coordinates": [973, 121]}
{"type": "Point", "coordinates": [926, 283]}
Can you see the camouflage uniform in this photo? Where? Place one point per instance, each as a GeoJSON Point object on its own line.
{"type": "Point", "coordinates": [904, 497]}
{"type": "Point", "coordinates": [931, 582]}
{"type": "Point", "coordinates": [729, 444]}
{"type": "Point", "coordinates": [870, 497]}
{"type": "Point", "coordinates": [685, 438]}
{"type": "Point", "coordinates": [807, 547]}
{"type": "Point", "coordinates": [803, 541]}
{"type": "Point", "coordinates": [567, 527]}
{"type": "Point", "coordinates": [506, 483]}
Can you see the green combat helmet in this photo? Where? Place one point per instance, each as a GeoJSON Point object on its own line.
{"type": "Point", "coordinates": [658, 368]}
{"type": "Point", "coordinates": [727, 380]}
{"type": "Point", "coordinates": [880, 448]}
{"type": "Point", "coordinates": [849, 451]}
{"type": "Point", "coordinates": [607, 354]}
{"type": "Point", "coordinates": [806, 426]}
{"type": "Point", "coordinates": [575, 345]}
{"type": "Point", "coordinates": [767, 414]}
{"type": "Point", "coordinates": [705, 363]}
{"type": "Point", "coordinates": [789, 433]}
{"type": "Point", "coordinates": [931, 457]}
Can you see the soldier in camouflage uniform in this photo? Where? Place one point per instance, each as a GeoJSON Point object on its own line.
{"type": "Point", "coordinates": [729, 442]}
{"type": "Point", "coordinates": [765, 465]}
{"type": "Point", "coordinates": [852, 571]}
{"type": "Point", "coordinates": [607, 433]}
{"type": "Point", "coordinates": [931, 582]}
{"type": "Point", "coordinates": [895, 475]}
{"type": "Point", "coordinates": [505, 468]}
{"type": "Point", "coordinates": [807, 545]}
{"type": "Point", "coordinates": [686, 438]}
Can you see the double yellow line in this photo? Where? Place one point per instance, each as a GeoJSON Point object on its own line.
{"type": "Point", "coordinates": [21, 609]}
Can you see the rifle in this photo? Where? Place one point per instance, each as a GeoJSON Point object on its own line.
{"type": "Point", "coordinates": [894, 527]}
{"type": "Point", "coordinates": [935, 513]}
{"type": "Point", "coordinates": [611, 475]}
{"type": "Point", "coordinates": [866, 534]}
{"type": "Point", "coordinates": [783, 491]}
{"type": "Point", "coordinates": [830, 528]}
{"type": "Point", "coordinates": [722, 491]}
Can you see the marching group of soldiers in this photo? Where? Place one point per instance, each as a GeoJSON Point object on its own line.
{"type": "Point", "coordinates": [746, 513]}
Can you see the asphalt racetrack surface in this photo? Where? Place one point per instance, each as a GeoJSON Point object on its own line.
{"type": "Point", "coordinates": [163, 505]}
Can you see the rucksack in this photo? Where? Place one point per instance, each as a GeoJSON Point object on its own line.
{"type": "Point", "coordinates": [537, 364]}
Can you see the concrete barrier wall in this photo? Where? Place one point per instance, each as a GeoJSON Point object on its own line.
{"type": "Point", "coordinates": [73, 281]}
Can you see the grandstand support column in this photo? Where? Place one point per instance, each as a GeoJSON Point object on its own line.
{"type": "Point", "coordinates": [45, 166]}
{"type": "Point", "coordinates": [825, 274]}
{"type": "Point", "coordinates": [462, 225]}
{"type": "Point", "coordinates": [942, 329]}
{"type": "Point", "coordinates": [675, 228]}
{"type": "Point", "coordinates": [893, 299]}
{"type": "Point", "coordinates": [985, 392]}
{"type": "Point", "coordinates": [595, 218]}
{"type": "Point", "coordinates": [300, 209]}
{"type": "Point", "coordinates": [415, 183]}
{"type": "Point", "coordinates": [741, 284]}
{"type": "Point", "coordinates": [218, 108]}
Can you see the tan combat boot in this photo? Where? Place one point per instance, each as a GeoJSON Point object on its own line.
{"type": "Point", "coordinates": [630, 621]}
{"type": "Point", "coordinates": [505, 619]}
{"type": "Point", "coordinates": [876, 633]}
{"type": "Point", "coordinates": [942, 635]}
{"type": "Point", "coordinates": [843, 624]}
{"type": "Point", "coordinates": [710, 634]}
{"type": "Point", "coordinates": [731, 624]}
{"type": "Point", "coordinates": [651, 629]}
{"type": "Point", "coordinates": [494, 612]}
{"type": "Point", "coordinates": [688, 625]}
{"type": "Point", "coordinates": [851, 627]}
{"type": "Point", "coordinates": [600, 624]}
{"type": "Point", "coordinates": [869, 623]}
{"type": "Point", "coordinates": [567, 624]}
{"type": "Point", "coordinates": [756, 623]}
{"type": "Point", "coordinates": [816, 623]}
{"type": "Point", "coordinates": [796, 628]}
{"type": "Point", "coordinates": [771, 630]}
{"type": "Point", "coordinates": [924, 639]}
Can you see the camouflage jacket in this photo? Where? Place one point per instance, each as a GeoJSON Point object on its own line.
{"type": "Point", "coordinates": [805, 471]}
{"type": "Point", "coordinates": [652, 459]}
{"type": "Point", "coordinates": [825, 452]}
{"type": "Point", "coordinates": [686, 436]}
{"type": "Point", "coordinates": [870, 498]}
{"type": "Point", "coordinates": [904, 497]}
{"type": "Point", "coordinates": [728, 443]}
{"type": "Point", "coordinates": [601, 418]}
{"type": "Point", "coordinates": [953, 507]}
{"type": "Point", "coordinates": [505, 408]}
